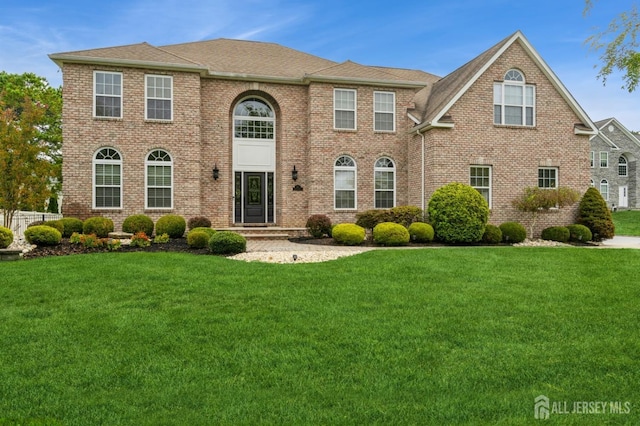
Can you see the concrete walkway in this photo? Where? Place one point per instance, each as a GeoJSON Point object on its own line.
{"type": "Point", "coordinates": [621, 242]}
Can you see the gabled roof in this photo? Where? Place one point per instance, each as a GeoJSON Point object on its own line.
{"type": "Point", "coordinates": [446, 92]}
{"type": "Point", "coordinates": [353, 72]}
{"type": "Point", "coordinates": [612, 121]}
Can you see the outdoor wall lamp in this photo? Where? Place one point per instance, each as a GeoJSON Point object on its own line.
{"type": "Point", "coordinates": [216, 172]}
{"type": "Point", "coordinates": [294, 173]}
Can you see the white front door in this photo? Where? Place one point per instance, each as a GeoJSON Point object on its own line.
{"type": "Point", "coordinates": [623, 200]}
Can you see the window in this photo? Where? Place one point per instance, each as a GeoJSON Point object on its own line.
{"type": "Point", "coordinates": [345, 183]}
{"type": "Point", "coordinates": [622, 166]}
{"type": "Point", "coordinates": [480, 179]}
{"type": "Point", "coordinates": [514, 101]}
{"type": "Point", "coordinates": [593, 159]}
{"type": "Point", "coordinates": [604, 159]}
{"type": "Point", "coordinates": [344, 109]}
{"type": "Point", "coordinates": [107, 179]}
{"type": "Point", "coordinates": [385, 183]}
{"type": "Point", "coordinates": [253, 119]}
{"type": "Point", "coordinates": [384, 111]}
{"type": "Point", "coordinates": [604, 189]}
{"type": "Point", "coordinates": [159, 97]}
{"type": "Point", "coordinates": [159, 180]}
{"type": "Point", "coordinates": [547, 177]}
{"type": "Point", "coordinates": [107, 97]}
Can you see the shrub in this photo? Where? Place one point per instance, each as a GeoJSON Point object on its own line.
{"type": "Point", "coordinates": [197, 239]}
{"type": "Point", "coordinates": [43, 235]}
{"type": "Point", "coordinates": [390, 234]}
{"type": "Point", "coordinates": [492, 235]}
{"type": "Point", "coordinates": [368, 219]}
{"type": "Point", "coordinates": [227, 242]}
{"type": "Point", "coordinates": [71, 225]}
{"type": "Point", "coordinates": [421, 232]}
{"type": "Point", "coordinates": [161, 239]}
{"type": "Point", "coordinates": [348, 234]}
{"type": "Point", "coordinates": [513, 232]}
{"type": "Point", "coordinates": [208, 231]}
{"type": "Point", "coordinates": [138, 223]}
{"type": "Point", "coordinates": [36, 223]}
{"type": "Point", "coordinates": [458, 213]}
{"type": "Point", "coordinates": [595, 215]}
{"type": "Point", "coordinates": [406, 215]}
{"type": "Point", "coordinates": [101, 226]}
{"type": "Point", "coordinates": [555, 233]}
{"type": "Point", "coordinates": [140, 239]}
{"type": "Point", "coordinates": [171, 224]}
{"type": "Point", "coordinates": [55, 224]}
{"type": "Point", "coordinates": [199, 222]}
{"type": "Point", "coordinates": [579, 233]}
{"type": "Point", "coordinates": [319, 225]}
{"type": "Point", "coordinates": [6, 237]}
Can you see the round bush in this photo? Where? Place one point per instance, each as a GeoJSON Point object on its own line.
{"type": "Point", "coordinates": [595, 215]}
{"type": "Point", "coordinates": [6, 237]}
{"type": "Point", "coordinates": [390, 234]}
{"type": "Point", "coordinates": [405, 215]}
{"type": "Point", "coordinates": [579, 233]}
{"type": "Point", "coordinates": [226, 242]}
{"type": "Point", "coordinates": [197, 239]}
{"type": "Point", "coordinates": [319, 225]}
{"type": "Point", "coordinates": [556, 233]}
{"type": "Point", "coordinates": [101, 226]}
{"type": "Point", "coordinates": [458, 213]}
{"type": "Point", "coordinates": [43, 235]}
{"type": "Point", "coordinates": [208, 231]}
{"type": "Point", "coordinates": [138, 223]}
{"type": "Point", "coordinates": [513, 232]}
{"type": "Point", "coordinates": [348, 234]}
{"type": "Point", "coordinates": [55, 224]}
{"type": "Point", "coordinates": [71, 225]}
{"type": "Point", "coordinates": [492, 235]}
{"type": "Point", "coordinates": [421, 232]}
{"type": "Point", "coordinates": [199, 222]}
{"type": "Point", "coordinates": [171, 224]}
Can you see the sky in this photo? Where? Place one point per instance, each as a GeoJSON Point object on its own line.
{"type": "Point", "coordinates": [433, 36]}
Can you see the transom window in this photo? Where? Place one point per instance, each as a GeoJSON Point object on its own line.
{"type": "Point", "coordinates": [159, 95]}
{"type": "Point", "coordinates": [107, 179]}
{"type": "Point", "coordinates": [159, 180]}
{"type": "Point", "coordinates": [604, 159]}
{"type": "Point", "coordinates": [547, 177]}
{"type": "Point", "coordinates": [107, 99]}
{"type": "Point", "coordinates": [622, 166]}
{"type": "Point", "coordinates": [514, 101]}
{"type": "Point", "coordinates": [253, 119]}
{"type": "Point", "coordinates": [344, 109]}
{"type": "Point", "coordinates": [344, 183]}
{"type": "Point", "coordinates": [604, 189]}
{"type": "Point", "coordinates": [384, 111]}
{"type": "Point", "coordinates": [480, 179]}
{"type": "Point", "coordinates": [385, 183]}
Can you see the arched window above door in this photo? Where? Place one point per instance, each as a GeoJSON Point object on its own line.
{"type": "Point", "coordinates": [253, 118]}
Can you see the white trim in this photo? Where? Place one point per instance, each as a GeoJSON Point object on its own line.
{"type": "Point", "coordinates": [355, 109]}
{"type": "Point", "coordinates": [147, 97]}
{"type": "Point", "coordinates": [121, 96]}
{"type": "Point", "coordinates": [606, 183]}
{"type": "Point", "coordinates": [606, 153]}
{"type": "Point", "coordinates": [592, 159]}
{"type": "Point", "coordinates": [622, 129]}
{"type": "Point", "coordinates": [148, 163]}
{"type": "Point", "coordinates": [353, 169]}
{"type": "Point", "coordinates": [556, 178]}
{"type": "Point", "coordinates": [490, 187]}
{"type": "Point", "coordinates": [393, 95]}
{"type": "Point", "coordinates": [95, 162]}
{"type": "Point", "coordinates": [387, 170]}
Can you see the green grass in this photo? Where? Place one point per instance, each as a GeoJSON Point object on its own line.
{"type": "Point", "coordinates": [627, 222]}
{"type": "Point", "coordinates": [428, 336]}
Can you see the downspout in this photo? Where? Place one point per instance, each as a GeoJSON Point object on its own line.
{"type": "Point", "coordinates": [422, 177]}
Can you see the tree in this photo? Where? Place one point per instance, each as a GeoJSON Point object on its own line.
{"type": "Point", "coordinates": [595, 215]}
{"type": "Point", "coordinates": [536, 200]}
{"type": "Point", "coordinates": [25, 169]}
{"type": "Point", "coordinates": [18, 90]}
{"type": "Point", "coordinates": [619, 44]}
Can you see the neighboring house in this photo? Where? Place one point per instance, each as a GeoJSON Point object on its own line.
{"type": "Point", "coordinates": [256, 133]}
{"type": "Point", "coordinates": [614, 154]}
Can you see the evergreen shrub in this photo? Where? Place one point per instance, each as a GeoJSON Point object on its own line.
{"type": "Point", "coordinates": [579, 233]}
{"type": "Point", "coordinates": [390, 234]}
{"type": "Point", "coordinates": [595, 215]}
{"type": "Point", "coordinates": [556, 233]}
{"type": "Point", "coordinates": [421, 232]}
{"type": "Point", "coordinates": [319, 225]}
{"type": "Point", "coordinates": [71, 225]}
{"type": "Point", "coordinates": [138, 223]}
{"type": "Point", "coordinates": [43, 235]}
{"type": "Point", "coordinates": [171, 224]}
{"type": "Point", "coordinates": [6, 237]}
{"type": "Point", "coordinates": [348, 234]}
{"type": "Point", "coordinates": [226, 242]}
{"type": "Point", "coordinates": [513, 232]}
{"type": "Point", "coordinates": [101, 226]}
{"type": "Point", "coordinates": [492, 234]}
{"type": "Point", "coordinates": [199, 222]}
{"type": "Point", "coordinates": [458, 213]}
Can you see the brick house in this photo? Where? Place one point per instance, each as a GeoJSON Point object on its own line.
{"type": "Point", "coordinates": [256, 133]}
{"type": "Point", "coordinates": [614, 154]}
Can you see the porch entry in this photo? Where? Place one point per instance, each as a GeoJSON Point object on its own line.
{"type": "Point", "coordinates": [623, 200]}
{"type": "Point", "coordinates": [254, 197]}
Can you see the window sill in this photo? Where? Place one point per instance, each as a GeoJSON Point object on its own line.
{"type": "Point", "coordinates": [162, 210]}
{"type": "Point", "coordinates": [107, 118]}
{"type": "Point", "coordinates": [514, 126]}
{"type": "Point", "coordinates": [346, 130]}
{"type": "Point", "coordinates": [106, 210]}
{"type": "Point", "coordinates": [148, 120]}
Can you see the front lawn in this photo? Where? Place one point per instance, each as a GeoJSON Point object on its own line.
{"type": "Point", "coordinates": [424, 336]}
{"type": "Point", "coordinates": [627, 222]}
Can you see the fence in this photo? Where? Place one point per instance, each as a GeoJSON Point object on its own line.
{"type": "Point", "coordinates": [22, 219]}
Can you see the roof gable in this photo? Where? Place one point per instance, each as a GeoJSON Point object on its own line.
{"type": "Point", "coordinates": [602, 124]}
